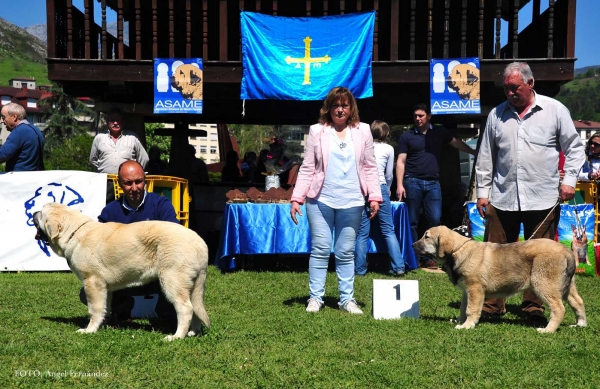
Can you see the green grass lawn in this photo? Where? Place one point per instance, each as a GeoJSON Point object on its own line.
{"type": "Point", "coordinates": [14, 68]}
{"type": "Point", "coordinates": [262, 337]}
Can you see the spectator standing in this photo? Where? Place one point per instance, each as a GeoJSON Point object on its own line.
{"type": "Point", "coordinates": [110, 149]}
{"type": "Point", "coordinates": [383, 222]}
{"type": "Point", "coordinates": [231, 170]}
{"type": "Point", "coordinates": [418, 171]}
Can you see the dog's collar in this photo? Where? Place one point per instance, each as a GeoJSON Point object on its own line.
{"type": "Point", "coordinates": [461, 246]}
{"type": "Point", "coordinates": [74, 232]}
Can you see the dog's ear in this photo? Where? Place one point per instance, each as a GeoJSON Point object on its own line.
{"type": "Point", "coordinates": [444, 244]}
{"type": "Point", "coordinates": [195, 77]}
{"type": "Point", "coordinates": [472, 77]}
{"type": "Point", "coordinates": [53, 228]}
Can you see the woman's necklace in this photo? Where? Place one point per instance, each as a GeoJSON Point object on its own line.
{"type": "Point", "coordinates": [339, 141]}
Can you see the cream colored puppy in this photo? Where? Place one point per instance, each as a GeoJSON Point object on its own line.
{"type": "Point", "coordinates": [112, 256]}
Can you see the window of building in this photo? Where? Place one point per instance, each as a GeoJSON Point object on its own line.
{"type": "Point", "coordinates": [213, 136]}
{"type": "Point", "coordinates": [31, 103]}
{"type": "Point", "coordinates": [213, 149]}
{"type": "Point", "coordinates": [202, 149]}
{"type": "Point", "coordinates": [5, 100]}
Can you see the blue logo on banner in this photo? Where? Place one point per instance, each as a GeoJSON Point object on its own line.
{"type": "Point", "coordinates": [178, 85]}
{"type": "Point", "coordinates": [58, 194]}
{"type": "Point", "coordinates": [455, 86]}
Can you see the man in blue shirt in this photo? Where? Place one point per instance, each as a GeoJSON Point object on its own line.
{"type": "Point", "coordinates": [136, 205]}
{"type": "Point", "coordinates": [418, 171]}
{"type": "Point", "coordinates": [24, 147]}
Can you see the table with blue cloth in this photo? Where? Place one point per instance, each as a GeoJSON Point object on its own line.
{"type": "Point", "coordinates": [250, 228]}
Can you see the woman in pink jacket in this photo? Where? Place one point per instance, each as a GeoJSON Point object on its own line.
{"type": "Point", "coordinates": [338, 173]}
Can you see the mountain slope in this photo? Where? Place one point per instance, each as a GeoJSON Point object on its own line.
{"type": "Point", "coordinates": [39, 31]}
{"type": "Point", "coordinates": [17, 43]}
{"type": "Point", "coordinates": [21, 55]}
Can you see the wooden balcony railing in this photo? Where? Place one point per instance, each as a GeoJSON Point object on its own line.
{"type": "Point", "coordinates": [412, 30]}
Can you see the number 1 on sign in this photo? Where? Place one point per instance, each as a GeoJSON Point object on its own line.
{"type": "Point", "coordinates": [397, 287]}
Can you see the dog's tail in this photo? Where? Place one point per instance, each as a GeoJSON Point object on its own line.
{"type": "Point", "coordinates": [198, 298]}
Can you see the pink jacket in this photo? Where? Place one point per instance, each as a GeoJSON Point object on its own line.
{"type": "Point", "coordinates": [312, 172]}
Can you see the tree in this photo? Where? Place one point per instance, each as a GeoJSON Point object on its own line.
{"type": "Point", "coordinates": [62, 114]}
{"type": "Point", "coordinates": [162, 142]}
{"type": "Point", "coordinates": [590, 73]}
{"type": "Point", "coordinates": [71, 154]}
{"type": "Point", "coordinates": [251, 137]}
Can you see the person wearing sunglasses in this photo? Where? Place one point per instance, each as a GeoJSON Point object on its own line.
{"type": "Point", "coordinates": [590, 171]}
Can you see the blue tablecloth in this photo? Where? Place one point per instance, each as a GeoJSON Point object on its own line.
{"type": "Point", "coordinates": [268, 229]}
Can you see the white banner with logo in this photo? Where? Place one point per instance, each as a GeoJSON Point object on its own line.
{"type": "Point", "coordinates": [22, 194]}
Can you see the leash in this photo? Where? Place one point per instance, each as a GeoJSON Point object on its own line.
{"type": "Point", "coordinates": [549, 213]}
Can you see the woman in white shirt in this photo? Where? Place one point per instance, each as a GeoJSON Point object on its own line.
{"type": "Point", "coordinates": [383, 222]}
{"type": "Point", "coordinates": [338, 173]}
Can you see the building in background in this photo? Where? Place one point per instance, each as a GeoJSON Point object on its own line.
{"type": "Point", "coordinates": [207, 146]}
{"type": "Point", "coordinates": [24, 92]}
{"type": "Point", "coordinates": [586, 128]}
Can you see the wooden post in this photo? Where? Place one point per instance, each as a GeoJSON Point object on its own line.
{"type": "Point", "coordinates": [138, 31]}
{"type": "Point", "coordinates": [395, 27]}
{"type": "Point", "coordinates": [69, 29]}
{"type": "Point", "coordinates": [154, 29]}
{"type": "Point", "coordinates": [120, 45]}
{"type": "Point", "coordinates": [223, 30]}
{"type": "Point", "coordinates": [104, 45]}
{"type": "Point", "coordinates": [171, 30]}
{"type": "Point", "coordinates": [50, 22]}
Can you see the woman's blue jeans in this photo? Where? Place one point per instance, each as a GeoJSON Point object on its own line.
{"type": "Point", "coordinates": [324, 222]}
{"type": "Point", "coordinates": [425, 195]}
{"type": "Point", "coordinates": [382, 223]}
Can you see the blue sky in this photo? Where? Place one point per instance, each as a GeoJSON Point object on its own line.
{"type": "Point", "coordinates": [587, 30]}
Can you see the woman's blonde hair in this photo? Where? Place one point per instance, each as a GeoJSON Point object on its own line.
{"type": "Point", "coordinates": [342, 94]}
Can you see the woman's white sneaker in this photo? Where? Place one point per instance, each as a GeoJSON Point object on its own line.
{"type": "Point", "coordinates": [314, 305]}
{"type": "Point", "coordinates": [351, 306]}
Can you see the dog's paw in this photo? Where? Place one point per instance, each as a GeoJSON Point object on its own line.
{"type": "Point", "coordinates": [465, 326]}
{"type": "Point", "coordinates": [192, 333]}
{"type": "Point", "coordinates": [544, 330]}
{"type": "Point", "coordinates": [83, 331]}
{"type": "Point", "coordinates": [170, 338]}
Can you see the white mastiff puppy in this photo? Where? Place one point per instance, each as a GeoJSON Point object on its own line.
{"type": "Point", "coordinates": [113, 256]}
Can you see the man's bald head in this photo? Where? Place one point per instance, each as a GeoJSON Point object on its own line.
{"type": "Point", "coordinates": [131, 166]}
{"type": "Point", "coordinates": [132, 180]}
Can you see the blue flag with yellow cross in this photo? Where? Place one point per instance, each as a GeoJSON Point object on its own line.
{"type": "Point", "coordinates": [302, 58]}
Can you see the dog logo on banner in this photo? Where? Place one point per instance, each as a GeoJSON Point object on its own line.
{"type": "Point", "coordinates": [59, 194]}
{"type": "Point", "coordinates": [178, 85]}
{"type": "Point", "coordinates": [455, 86]}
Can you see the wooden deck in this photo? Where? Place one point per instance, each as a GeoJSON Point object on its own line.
{"type": "Point", "coordinates": [89, 61]}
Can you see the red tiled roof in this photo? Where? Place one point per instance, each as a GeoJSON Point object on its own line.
{"type": "Point", "coordinates": [586, 124]}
